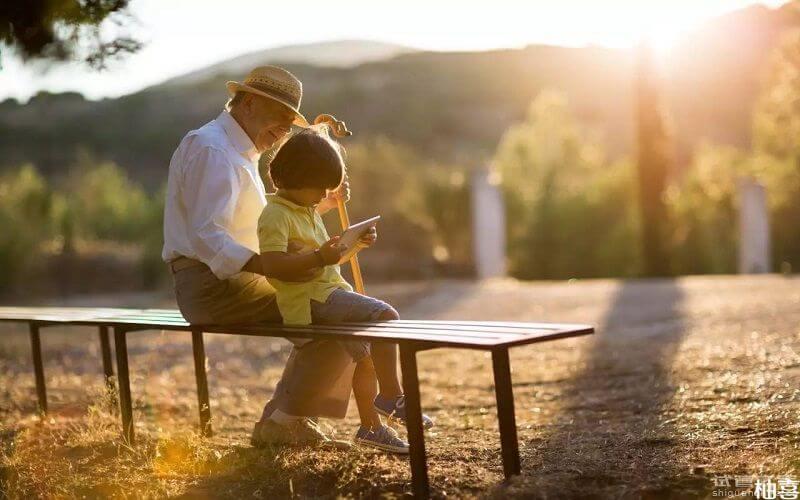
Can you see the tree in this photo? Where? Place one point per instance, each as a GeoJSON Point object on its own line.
{"type": "Point", "coordinates": [568, 210]}
{"type": "Point", "coordinates": [776, 137]}
{"type": "Point", "coordinates": [26, 216]}
{"type": "Point", "coordinates": [653, 164]}
{"type": "Point", "coordinates": [65, 29]}
{"type": "Point", "coordinates": [776, 124]}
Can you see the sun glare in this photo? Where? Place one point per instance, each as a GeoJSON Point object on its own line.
{"type": "Point", "coordinates": [661, 28]}
{"type": "Point", "coordinates": [619, 24]}
{"type": "Point", "coordinates": [664, 33]}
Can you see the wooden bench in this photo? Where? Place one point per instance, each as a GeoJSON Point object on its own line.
{"type": "Point", "coordinates": [412, 337]}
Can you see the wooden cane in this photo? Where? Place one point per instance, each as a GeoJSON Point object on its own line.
{"type": "Point", "coordinates": [339, 129]}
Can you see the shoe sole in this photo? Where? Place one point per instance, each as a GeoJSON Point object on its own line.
{"type": "Point", "coordinates": [383, 447]}
{"type": "Point", "coordinates": [398, 419]}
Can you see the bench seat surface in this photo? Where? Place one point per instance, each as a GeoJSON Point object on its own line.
{"type": "Point", "coordinates": [464, 334]}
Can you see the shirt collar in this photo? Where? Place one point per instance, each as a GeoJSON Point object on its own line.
{"type": "Point", "coordinates": [238, 137]}
{"type": "Point", "coordinates": [274, 198]}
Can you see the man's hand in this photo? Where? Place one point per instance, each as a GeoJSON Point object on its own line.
{"type": "Point", "coordinates": [332, 200]}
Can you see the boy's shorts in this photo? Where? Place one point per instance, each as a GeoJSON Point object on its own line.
{"type": "Point", "coordinates": [349, 307]}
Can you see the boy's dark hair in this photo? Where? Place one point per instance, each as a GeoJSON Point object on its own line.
{"type": "Point", "coordinates": [309, 159]}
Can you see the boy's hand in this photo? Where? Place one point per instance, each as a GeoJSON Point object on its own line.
{"type": "Point", "coordinates": [331, 251]}
{"type": "Point", "coordinates": [369, 238]}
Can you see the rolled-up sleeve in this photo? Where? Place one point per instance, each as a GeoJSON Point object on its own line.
{"type": "Point", "coordinates": [273, 230]}
{"type": "Point", "coordinates": [211, 186]}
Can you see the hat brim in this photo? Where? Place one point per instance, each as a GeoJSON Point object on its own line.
{"type": "Point", "coordinates": [234, 87]}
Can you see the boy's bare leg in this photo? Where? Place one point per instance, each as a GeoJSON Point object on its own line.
{"type": "Point", "coordinates": [384, 356]}
{"type": "Point", "coordinates": [365, 389]}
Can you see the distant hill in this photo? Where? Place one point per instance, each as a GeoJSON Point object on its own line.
{"type": "Point", "coordinates": [341, 53]}
{"type": "Point", "coordinates": [450, 106]}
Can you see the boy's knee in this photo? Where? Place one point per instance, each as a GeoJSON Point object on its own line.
{"type": "Point", "coordinates": [388, 315]}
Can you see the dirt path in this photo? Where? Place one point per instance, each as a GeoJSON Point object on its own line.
{"type": "Point", "coordinates": [686, 380]}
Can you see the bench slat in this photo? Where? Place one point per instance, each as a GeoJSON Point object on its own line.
{"type": "Point", "coordinates": [488, 326]}
{"type": "Point", "coordinates": [290, 330]}
{"type": "Point", "coordinates": [406, 326]}
{"type": "Point", "coordinates": [470, 329]}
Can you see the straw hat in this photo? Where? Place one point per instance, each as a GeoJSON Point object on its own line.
{"type": "Point", "coordinates": [274, 83]}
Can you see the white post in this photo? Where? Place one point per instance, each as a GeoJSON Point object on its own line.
{"type": "Point", "coordinates": [754, 244]}
{"type": "Point", "coordinates": [488, 225]}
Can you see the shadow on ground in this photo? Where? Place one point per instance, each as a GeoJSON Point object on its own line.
{"type": "Point", "coordinates": [613, 438]}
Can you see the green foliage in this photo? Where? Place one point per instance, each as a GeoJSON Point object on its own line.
{"type": "Point", "coordinates": [704, 208]}
{"type": "Point", "coordinates": [776, 160]}
{"type": "Point", "coordinates": [569, 211]}
{"type": "Point", "coordinates": [105, 204]}
{"type": "Point", "coordinates": [152, 238]}
{"type": "Point", "coordinates": [446, 210]}
{"type": "Point", "coordinates": [26, 216]}
{"type": "Point", "coordinates": [776, 122]}
{"type": "Point", "coordinates": [96, 203]}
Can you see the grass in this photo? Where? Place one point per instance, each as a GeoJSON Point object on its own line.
{"type": "Point", "coordinates": [686, 380]}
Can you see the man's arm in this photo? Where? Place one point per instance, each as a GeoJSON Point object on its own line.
{"type": "Point", "coordinates": [211, 189]}
{"type": "Point", "coordinates": [254, 265]}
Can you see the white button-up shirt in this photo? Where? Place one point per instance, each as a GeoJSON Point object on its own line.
{"type": "Point", "coordinates": [214, 198]}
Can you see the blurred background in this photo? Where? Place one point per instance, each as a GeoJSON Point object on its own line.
{"type": "Point", "coordinates": [527, 139]}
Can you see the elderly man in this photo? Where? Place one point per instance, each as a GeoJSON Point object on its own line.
{"type": "Point", "coordinates": [214, 199]}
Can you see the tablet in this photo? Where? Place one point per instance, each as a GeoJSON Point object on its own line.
{"type": "Point", "coordinates": [352, 234]}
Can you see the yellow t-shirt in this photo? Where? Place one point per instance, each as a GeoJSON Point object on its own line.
{"type": "Point", "coordinates": [281, 222]}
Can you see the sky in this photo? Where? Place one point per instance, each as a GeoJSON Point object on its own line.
{"type": "Point", "coordinates": [184, 35]}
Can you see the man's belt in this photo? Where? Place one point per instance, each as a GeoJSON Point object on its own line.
{"type": "Point", "coordinates": [181, 263]}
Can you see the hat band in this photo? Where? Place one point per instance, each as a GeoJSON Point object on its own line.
{"type": "Point", "coordinates": [289, 98]}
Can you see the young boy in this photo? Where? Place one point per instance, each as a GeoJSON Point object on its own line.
{"type": "Point", "coordinates": [304, 169]}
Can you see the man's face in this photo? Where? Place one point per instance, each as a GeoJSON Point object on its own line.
{"type": "Point", "coordinates": [271, 122]}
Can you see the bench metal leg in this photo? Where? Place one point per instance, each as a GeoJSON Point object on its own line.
{"type": "Point", "coordinates": [105, 350]}
{"type": "Point", "coordinates": [202, 382]}
{"type": "Point", "coordinates": [416, 438]}
{"type": "Point", "coordinates": [38, 367]}
{"type": "Point", "coordinates": [505, 412]}
{"type": "Point", "coordinates": [125, 403]}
